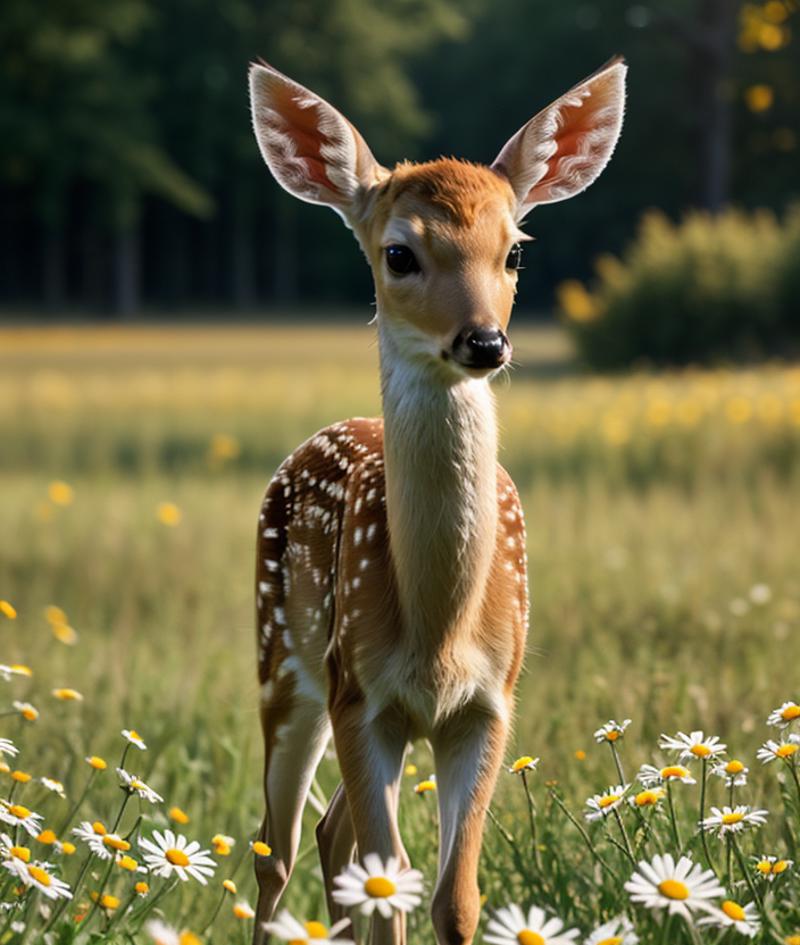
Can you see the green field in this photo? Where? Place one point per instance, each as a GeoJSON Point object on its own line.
{"type": "Point", "coordinates": [662, 515]}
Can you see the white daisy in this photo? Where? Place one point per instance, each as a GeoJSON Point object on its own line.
{"type": "Point", "coordinates": [693, 745]}
{"type": "Point", "coordinates": [618, 931]}
{"type": "Point", "coordinates": [92, 835]}
{"type": "Point", "coordinates": [52, 785]}
{"type": "Point", "coordinates": [510, 926]}
{"type": "Point", "coordinates": [169, 853]}
{"type": "Point", "coordinates": [601, 805]}
{"type": "Point", "coordinates": [134, 738]}
{"type": "Point", "coordinates": [771, 867]}
{"type": "Point", "coordinates": [734, 773]}
{"type": "Point", "coordinates": [136, 786]}
{"type": "Point", "coordinates": [7, 747]}
{"type": "Point", "coordinates": [375, 885]}
{"type": "Point", "coordinates": [15, 858]}
{"type": "Point", "coordinates": [8, 672]}
{"type": "Point", "coordinates": [650, 775]}
{"type": "Point", "coordinates": [784, 750]}
{"type": "Point", "coordinates": [784, 715]}
{"type": "Point", "coordinates": [680, 887]}
{"type": "Point", "coordinates": [19, 816]}
{"type": "Point", "coordinates": [289, 929]}
{"type": "Point", "coordinates": [163, 934]}
{"type": "Point", "coordinates": [731, 915]}
{"type": "Point", "coordinates": [36, 874]}
{"type": "Point", "coordinates": [733, 819]}
{"type": "Point", "coordinates": [611, 731]}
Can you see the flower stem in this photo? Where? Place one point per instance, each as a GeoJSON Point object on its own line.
{"type": "Point", "coordinates": [532, 816]}
{"type": "Point", "coordinates": [76, 806]}
{"type": "Point", "coordinates": [618, 763]}
{"type": "Point", "coordinates": [624, 833]}
{"type": "Point", "coordinates": [746, 873]}
{"type": "Point", "coordinates": [703, 837]}
{"type": "Point", "coordinates": [673, 819]}
{"type": "Point", "coordinates": [586, 838]}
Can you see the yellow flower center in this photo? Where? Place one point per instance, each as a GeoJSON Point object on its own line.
{"type": "Point", "coordinates": [316, 930]}
{"type": "Point", "coordinates": [733, 818]}
{"type": "Point", "coordinates": [424, 786]}
{"type": "Point", "coordinates": [261, 849]}
{"type": "Point", "coordinates": [47, 836]}
{"type": "Point", "coordinates": [790, 713]}
{"type": "Point", "coordinates": [792, 940]}
{"type": "Point", "coordinates": [608, 800]}
{"type": "Point", "coordinates": [612, 736]}
{"type": "Point", "coordinates": [21, 853]}
{"type": "Point", "coordinates": [734, 767]}
{"type": "Point", "coordinates": [142, 888]}
{"type": "Point", "coordinates": [109, 902]}
{"type": "Point", "coordinates": [764, 866]}
{"type": "Point", "coordinates": [40, 875]}
{"type": "Point", "coordinates": [188, 938]}
{"type": "Point", "coordinates": [18, 811]}
{"type": "Point", "coordinates": [780, 867]}
{"type": "Point", "coordinates": [229, 885]}
{"type": "Point", "coordinates": [674, 771]}
{"type": "Point", "coordinates": [21, 776]}
{"type": "Point", "coordinates": [647, 799]}
{"type": "Point", "coordinates": [138, 785]}
{"type": "Point", "coordinates": [700, 751]}
{"type": "Point", "coordinates": [116, 843]}
{"type": "Point", "coordinates": [673, 889]}
{"type": "Point", "coordinates": [529, 937]}
{"type": "Point", "coordinates": [176, 857]}
{"type": "Point", "coordinates": [127, 863]}
{"type": "Point", "coordinates": [379, 887]}
{"type": "Point", "coordinates": [785, 751]}
{"type": "Point", "coordinates": [614, 940]}
{"type": "Point", "coordinates": [733, 910]}
{"type": "Point", "coordinates": [521, 763]}
{"type": "Point", "coordinates": [99, 829]}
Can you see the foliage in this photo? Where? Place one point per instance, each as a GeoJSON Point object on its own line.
{"type": "Point", "coordinates": [705, 289]}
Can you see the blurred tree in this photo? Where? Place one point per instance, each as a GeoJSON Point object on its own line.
{"type": "Point", "coordinates": [75, 107]}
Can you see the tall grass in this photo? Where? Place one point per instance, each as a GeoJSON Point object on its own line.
{"type": "Point", "coordinates": [662, 552]}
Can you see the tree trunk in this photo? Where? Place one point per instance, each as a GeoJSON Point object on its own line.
{"type": "Point", "coordinates": [713, 64]}
{"type": "Point", "coordinates": [127, 274]}
{"type": "Point", "coordinates": [284, 282]}
{"type": "Point", "coordinates": [243, 262]}
{"type": "Point", "coordinates": [53, 284]}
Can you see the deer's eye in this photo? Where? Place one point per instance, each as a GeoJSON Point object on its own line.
{"type": "Point", "coordinates": [400, 260]}
{"type": "Point", "coordinates": [514, 258]}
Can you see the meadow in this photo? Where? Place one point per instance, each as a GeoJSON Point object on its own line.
{"type": "Point", "coordinates": [662, 541]}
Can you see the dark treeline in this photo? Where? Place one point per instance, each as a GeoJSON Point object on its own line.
{"type": "Point", "coordinates": [129, 177]}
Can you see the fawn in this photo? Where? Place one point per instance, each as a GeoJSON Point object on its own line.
{"type": "Point", "coordinates": [392, 591]}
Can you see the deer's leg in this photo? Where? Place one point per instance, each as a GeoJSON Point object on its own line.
{"type": "Point", "coordinates": [295, 741]}
{"type": "Point", "coordinates": [371, 756]}
{"type": "Point", "coordinates": [468, 752]}
{"type": "Point", "coordinates": [336, 841]}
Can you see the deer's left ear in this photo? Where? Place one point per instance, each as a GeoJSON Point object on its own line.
{"type": "Point", "coordinates": [564, 148]}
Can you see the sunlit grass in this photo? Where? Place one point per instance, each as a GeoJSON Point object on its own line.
{"type": "Point", "coordinates": [663, 571]}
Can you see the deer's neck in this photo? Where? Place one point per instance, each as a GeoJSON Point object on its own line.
{"type": "Point", "coordinates": [440, 448]}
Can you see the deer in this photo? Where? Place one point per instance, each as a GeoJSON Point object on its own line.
{"type": "Point", "coordinates": [391, 579]}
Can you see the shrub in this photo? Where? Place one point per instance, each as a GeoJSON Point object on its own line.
{"type": "Point", "coordinates": [703, 290]}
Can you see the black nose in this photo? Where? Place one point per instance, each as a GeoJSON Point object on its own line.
{"type": "Point", "coordinates": [481, 347]}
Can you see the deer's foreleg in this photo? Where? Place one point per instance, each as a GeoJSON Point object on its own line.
{"type": "Point", "coordinates": [371, 756]}
{"type": "Point", "coordinates": [468, 752]}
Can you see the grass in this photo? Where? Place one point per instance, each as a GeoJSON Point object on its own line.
{"type": "Point", "coordinates": [662, 551]}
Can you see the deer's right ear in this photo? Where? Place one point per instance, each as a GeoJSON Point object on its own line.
{"type": "Point", "coordinates": [312, 149]}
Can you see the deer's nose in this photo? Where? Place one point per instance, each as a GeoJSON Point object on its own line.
{"type": "Point", "coordinates": [481, 348]}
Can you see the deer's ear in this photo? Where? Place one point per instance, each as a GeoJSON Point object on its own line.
{"type": "Point", "coordinates": [312, 149]}
{"type": "Point", "coordinates": [563, 149]}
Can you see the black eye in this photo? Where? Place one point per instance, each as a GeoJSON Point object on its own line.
{"type": "Point", "coordinates": [514, 258]}
{"type": "Point", "coordinates": [400, 260]}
